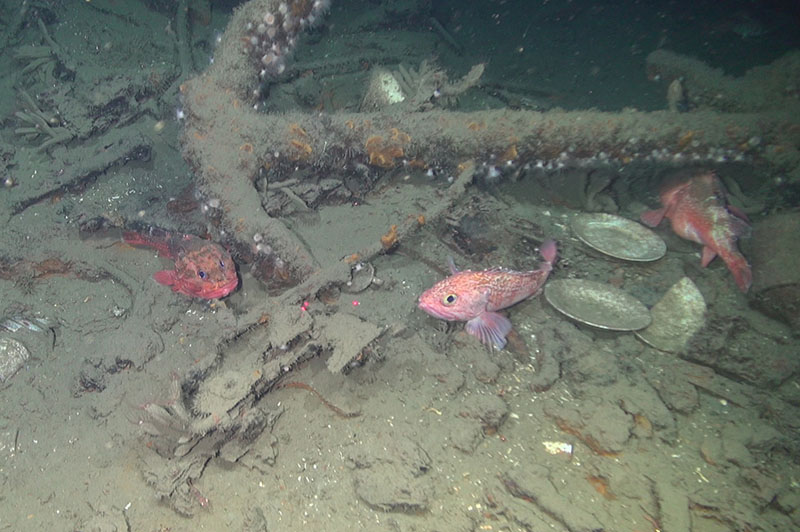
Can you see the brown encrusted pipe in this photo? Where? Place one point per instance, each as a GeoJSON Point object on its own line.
{"type": "Point", "coordinates": [228, 143]}
{"type": "Point", "coordinates": [226, 133]}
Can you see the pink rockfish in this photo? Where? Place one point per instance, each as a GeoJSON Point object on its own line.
{"type": "Point", "coordinates": [475, 297]}
{"type": "Point", "coordinates": [699, 212]}
{"type": "Point", "coordinates": [203, 268]}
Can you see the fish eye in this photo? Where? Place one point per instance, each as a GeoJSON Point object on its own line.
{"type": "Point", "coordinates": [449, 299]}
{"type": "Point", "coordinates": [201, 274]}
{"type": "Point", "coordinates": [222, 264]}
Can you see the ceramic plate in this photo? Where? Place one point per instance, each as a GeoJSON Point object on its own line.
{"type": "Point", "coordinates": [597, 304]}
{"type": "Point", "coordinates": [619, 237]}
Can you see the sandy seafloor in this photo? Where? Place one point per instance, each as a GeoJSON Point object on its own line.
{"type": "Point", "coordinates": [450, 436]}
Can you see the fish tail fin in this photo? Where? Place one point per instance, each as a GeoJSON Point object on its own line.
{"type": "Point", "coordinates": [740, 269]}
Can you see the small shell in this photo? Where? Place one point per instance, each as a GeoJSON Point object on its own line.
{"type": "Point", "coordinates": [362, 274]}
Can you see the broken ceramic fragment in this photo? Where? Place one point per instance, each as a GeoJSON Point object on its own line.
{"type": "Point", "coordinates": [676, 318]}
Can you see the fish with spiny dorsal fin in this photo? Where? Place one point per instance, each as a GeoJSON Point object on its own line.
{"type": "Point", "coordinates": [699, 211]}
{"type": "Point", "coordinates": [475, 297]}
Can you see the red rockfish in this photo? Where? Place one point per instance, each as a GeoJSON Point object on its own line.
{"type": "Point", "coordinates": [475, 297]}
{"type": "Point", "coordinates": [699, 212]}
{"type": "Point", "coordinates": [203, 268]}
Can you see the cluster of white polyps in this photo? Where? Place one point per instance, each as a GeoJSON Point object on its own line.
{"type": "Point", "coordinates": [273, 34]}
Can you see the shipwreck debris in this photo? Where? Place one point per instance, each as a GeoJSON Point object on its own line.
{"type": "Point", "coordinates": [619, 237]}
{"type": "Point", "coordinates": [677, 316]}
{"type": "Point", "coordinates": [597, 304]}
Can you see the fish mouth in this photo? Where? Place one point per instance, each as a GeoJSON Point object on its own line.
{"type": "Point", "coordinates": [434, 310]}
{"type": "Point", "coordinates": [218, 291]}
{"type": "Point", "coordinates": [228, 287]}
{"type": "Point", "coordinates": [426, 307]}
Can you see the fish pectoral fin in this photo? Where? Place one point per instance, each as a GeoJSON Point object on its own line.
{"type": "Point", "coordinates": [739, 226]}
{"type": "Point", "coordinates": [490, 328]}
{"type": "Point", "coordinates": [165, 277]}
{"type": "Point", "coordinates": [653, 218]}
{"type": "Point", "coordinates": [708, 256]}
{"type": "Point", "coordinates": [738, 213]}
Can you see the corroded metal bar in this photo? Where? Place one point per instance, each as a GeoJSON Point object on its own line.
{"type": "Point", "coordinates": [231, 144]}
